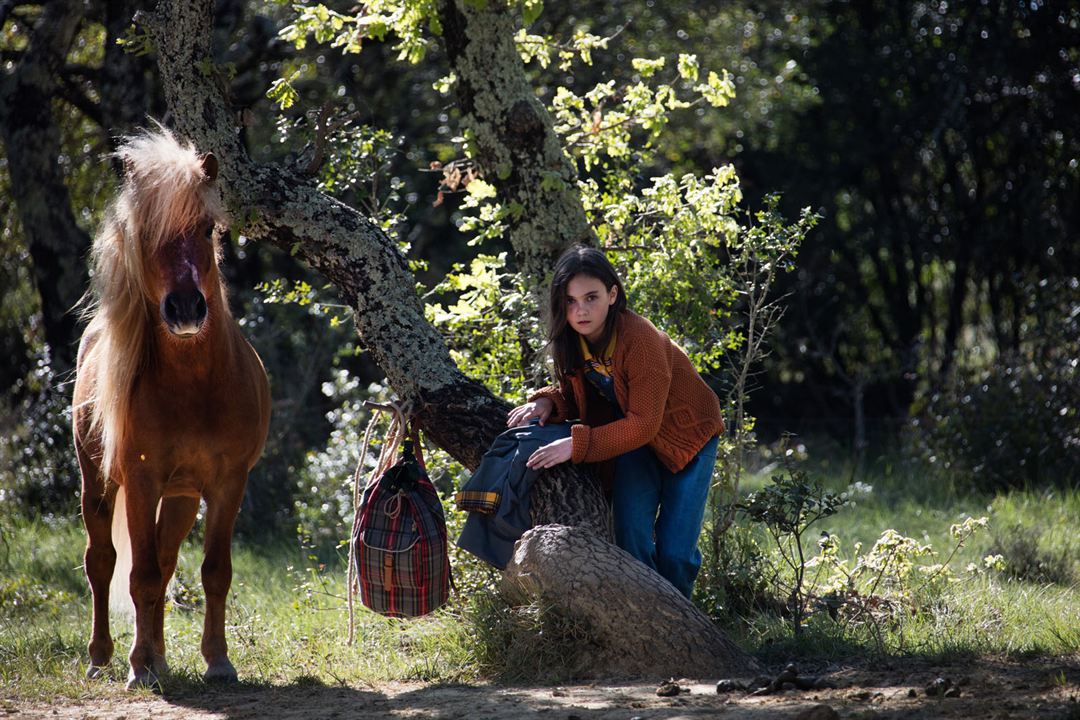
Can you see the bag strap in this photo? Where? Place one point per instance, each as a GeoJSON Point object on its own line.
{"type": "Point", "coordinates": [395, 435]}
{"type": "Point", "coordinates": [413, 440]}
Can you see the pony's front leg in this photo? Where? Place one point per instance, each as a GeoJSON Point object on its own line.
{"type": "Point", "coordinates": [98, 560]}
{"type": "Point", "coordinates": [221, 510]}
{"type": "Point", "coordinates": [174, 522]}
{"type": "Point", "coordinates": [145, 581]}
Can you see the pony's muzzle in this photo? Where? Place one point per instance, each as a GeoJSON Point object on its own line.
{"type": "Point", "coordinates": [184, 312]}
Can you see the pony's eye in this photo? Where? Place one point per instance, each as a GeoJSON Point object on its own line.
{"type": "Point", "coordinates": [209, 232]}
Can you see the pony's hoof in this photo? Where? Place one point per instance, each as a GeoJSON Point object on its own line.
{"type": "Point", "coordinates": [160, 666]}
{"type": "Point", "coordinates": [145, 679]}
{"type": "Point", "coordinates": [221, 671]}
{"type": "Point", "coordinates": [95, 671]}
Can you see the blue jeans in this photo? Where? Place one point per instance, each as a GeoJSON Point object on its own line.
{"type": "Point", "coordinates": [658, 514]}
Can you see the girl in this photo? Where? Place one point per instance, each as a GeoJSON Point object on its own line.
{"type": "Point", "coordinates": [641, 404]}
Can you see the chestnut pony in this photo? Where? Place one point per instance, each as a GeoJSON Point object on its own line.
{"type": "Point", "coordinates": [171, 404]}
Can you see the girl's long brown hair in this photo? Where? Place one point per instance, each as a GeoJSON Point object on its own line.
{"type": "Point", "coordinates": [562, 338]}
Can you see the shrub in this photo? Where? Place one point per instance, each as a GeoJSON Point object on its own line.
{"type": "Point", "coordinates": [38, 471]}
{"type": "Point", "coordinates": [1026, 559]}
{"type": "Point", "coordinates": [787, 507]}
{"type": "Point", "coordinates": [735, 583]}
{"type": "Point", "coordinates": [1015, 423]}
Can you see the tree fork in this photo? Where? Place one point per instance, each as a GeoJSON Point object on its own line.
{"type": "Point", "coordinates": [514, 145]}
{"type": "Point", "coordinates": [459, 414]}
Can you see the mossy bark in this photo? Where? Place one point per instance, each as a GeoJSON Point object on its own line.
{"type": "Point", "coordinates": [514, 144]}
{"type": "Point", "coordinates": [512, 133]}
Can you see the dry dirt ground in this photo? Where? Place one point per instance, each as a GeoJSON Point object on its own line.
{"type": "Point", "coordinates": [987, 689]}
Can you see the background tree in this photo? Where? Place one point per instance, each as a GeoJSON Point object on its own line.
{"type": "Point", "coordinates": [942, 154]}
{"type": "Point", "coordinates": [32, 141]}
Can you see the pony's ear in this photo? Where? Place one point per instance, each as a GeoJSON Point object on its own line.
{"type": "Point", "coordinates": [210, 167]}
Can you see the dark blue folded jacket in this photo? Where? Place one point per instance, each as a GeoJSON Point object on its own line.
{"type": "Point", "coordinates": [491, 536]}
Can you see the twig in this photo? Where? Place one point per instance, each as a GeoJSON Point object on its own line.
{"type": "Point", "coordinates": [569, 47]}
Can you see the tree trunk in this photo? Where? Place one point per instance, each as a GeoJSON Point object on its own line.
{"type": "Point", "coordinates": [32, 142]}
{"type": "Point", "coordinates": [515, 144]}
{"type": "Point", "coordinates": [460, 415]}
{"type": "Point", "coordinates": [640, 625]}
{"type": "Point", "coordinates": [515, 147]}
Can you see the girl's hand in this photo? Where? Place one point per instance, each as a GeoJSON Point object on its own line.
{"type": "Point", "coordinates": [551, 454]}
{"type": "Point", "coordinates": [522, 414]}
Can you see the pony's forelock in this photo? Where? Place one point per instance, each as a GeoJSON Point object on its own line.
{"type": "Point", "coordinates": [165, 188]}
{"type": "Point", "coordinates": [165, 192]}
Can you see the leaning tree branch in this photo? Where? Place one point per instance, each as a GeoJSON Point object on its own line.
{"type": "Point", "coordinates": [73, 94]}
{"type": "Point", "coordinates": [275, 205]}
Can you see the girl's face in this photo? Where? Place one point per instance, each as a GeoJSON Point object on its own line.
{"type": "Point", "coordinates": [587, 305]}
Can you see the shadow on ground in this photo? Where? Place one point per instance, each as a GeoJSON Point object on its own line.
{"type": "Point", "coordinates": [987, 688]}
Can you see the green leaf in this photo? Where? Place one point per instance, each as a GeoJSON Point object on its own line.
{"type": "Point", "coordinates": [647, 68]}
{"type": "Point", "coordinates": [481, 190]}
{"type": "Point", "coordinates": [552, 180]}
{"type": "Point", "coordinates": [136, 41]}
{"type": "Point", "coordinates": [283, 93]}
{"type": "Point", "coordinates": [531, 11]}
{"type": "Point", "coordinates": [688, 67]}
{"type": "Point", "coordinates": [445, 83]}
{"type": "Point", "coordinates": [718, 91]}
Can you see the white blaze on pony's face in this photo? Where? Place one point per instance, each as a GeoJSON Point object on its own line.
{"type": "Point", "coordinates": [185, 270]}
{"type": "Point", "coordinates": [186, 273]}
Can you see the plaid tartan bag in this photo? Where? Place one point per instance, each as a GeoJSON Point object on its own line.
{"type": "Point", "coordinates": [399, 542]}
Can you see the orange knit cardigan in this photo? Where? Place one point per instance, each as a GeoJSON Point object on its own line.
{"type": "Point", "coordinates": [665, 403]}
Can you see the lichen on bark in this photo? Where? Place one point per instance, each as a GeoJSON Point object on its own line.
{"type": "Point", "coordinates": [514, 138]}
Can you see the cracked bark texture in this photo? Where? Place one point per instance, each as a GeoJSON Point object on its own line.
{"type": "Point", "coordinates": [32, 144]}
{"type": "Point", "coordinates": [515, 142]}
{"type": "Point", "coordinates": [277, 205]}
{"type": "Point", "coordinates": [639, 623]}
{"type": "Point", "coordinates": [515, 147]}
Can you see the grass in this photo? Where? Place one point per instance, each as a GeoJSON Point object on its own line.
{"type": "Point", "coordinates": [1030, 608]}
{"type": "Point", "coordinates": [287, 616]}
{"type": "Point", "coordinates": [287, 621]}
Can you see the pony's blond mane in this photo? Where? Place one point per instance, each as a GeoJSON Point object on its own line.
{"type": "Point", "coordinates": [164, 193]}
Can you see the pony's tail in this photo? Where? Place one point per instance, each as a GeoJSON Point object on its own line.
{"type": "Point", "coordinates": [119, 588]}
